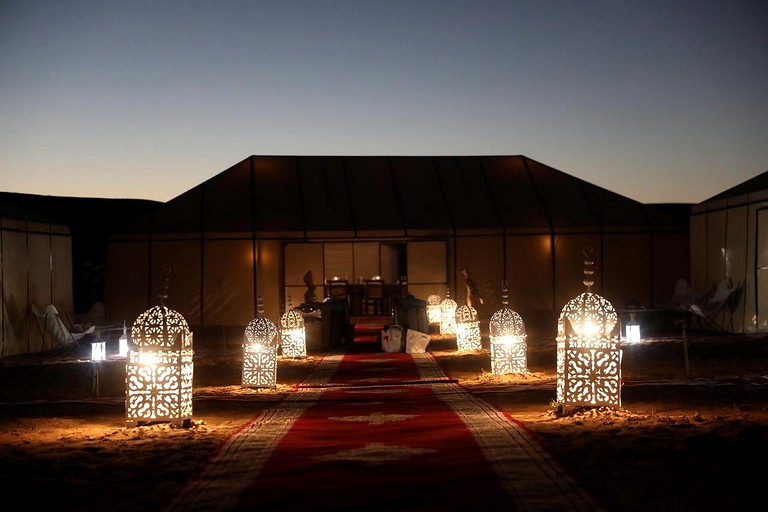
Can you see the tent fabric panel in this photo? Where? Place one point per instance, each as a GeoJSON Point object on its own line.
{"type": "Point", "coordinates": [179, 261]}
{"type": "Point", "coordinates": [529, 273]}
{"type": "Point", "coordinates": [366, 260]}
{"type": "Point", "coordinates": [338, 260]}
{"type": "Point", "coordinates": [483, 258]}
{"type": "Point", "coordinates": [61, 277]}
{"type": "Point", "coordinates": [126, 290]}
{"type": "Point", "coordinates": [372, 194]}
{"type": "Point", "coordinates": [736, 264]}
{"type": "Point", "coordinates": [325, 194]}
{"type": "Point", "coordinates": [717, 236]}
{"type": "Point", "coordinates": [759, 293]}
{"type": "Point", "coordinates": [513, 193]}
{"type": "Point", "coordinates": [299, 258]}
{"type": "Point", "coordinates": [427, 264]}
{"type": "Point", "coordinates": [227, 201]}
{"type": "Point", "coordinates": [626, 269]}
{"type": "Point", "coordinates": [562, 196]}
{"type": "Point", "coordinates": [276, 194]}
{"type": "Point", "coordinates": [698, 252]}
{"type": "Point", "coordinates": [20, 333]}
{"type": "Point", "coordinates": [466, 192]}
{"type": "Point", "coordinates": [38, 270]}
{"type": "Point", "coordinates": [613, 209]}
{"type": "Point", "coordinates": [419, 191]}
{"type": "Point", "coordinates": [228, 282]}
{"type": "Point", "coordinates": [181, 214]}
{"type": "Point", "coordinates": [269, 272]}
{"type": "Point", "coordinates": [670, 263]}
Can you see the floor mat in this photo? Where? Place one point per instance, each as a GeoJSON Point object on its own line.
{"type": "Point", "coordinates": [387, 429]}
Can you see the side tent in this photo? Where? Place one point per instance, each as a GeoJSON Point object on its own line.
{"type": "Point", "coordinates": [36, 268]}
{"type": "Point", "coordinates": [258, 228]}
{"type": "Point", "coordinates": [729, 241]}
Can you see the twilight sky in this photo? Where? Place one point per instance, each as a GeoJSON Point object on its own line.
{"type": "Point", "coordinates": [660, 101]}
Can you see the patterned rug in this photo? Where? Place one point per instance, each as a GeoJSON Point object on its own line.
{"type": "Point", "coordinates": [385, 429]}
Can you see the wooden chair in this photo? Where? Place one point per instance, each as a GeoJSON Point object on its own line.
{"type": "Point", "coordinates": [337, 289]}
{"type": "Point", "coordinates": [374, 301]}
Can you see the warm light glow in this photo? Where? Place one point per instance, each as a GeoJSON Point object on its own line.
{"type": "Point", "coordinates": [292, 334]}
{"type": "Point", "coordinates": [260, 353]}
{"type": "Point", "coordinates": [507, 340]}
{"type": "Point", "coordinates": [467, 329]}
{"type": "Point", "coordinates": [633, 333]}
{"type": "Point", "coordinates": [123, 343]}
{"type": "Point", "coordinates": [159, 370]}
{"type": "Point", "coordinates": [98, 351]}
{"type": "Point", "coordinates": [448, 316]}
{"type": "Point", "coordinates": [433, 309]}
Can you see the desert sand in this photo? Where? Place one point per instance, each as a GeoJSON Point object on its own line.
{"type": "Point", "coordinates": [691, 432]}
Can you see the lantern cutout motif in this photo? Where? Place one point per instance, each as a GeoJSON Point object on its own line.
{"type": "Point", "coordinates": [260, 352]}
{"type": "Point", "coordinates": [158, 373]}
{"type": "Point", "coordinates": [468, 329]}
{"type": "Point", "coordinates": [507, 339]}
{"type": "Point", "coordinates": [434, 312]}
{"type": "Point", "coordinates": [122, 342]}
{"type": "Point", "coordinates": [292, 335]}
{"type": "Point", "coordinates": [448, 314]}
{"type": "Point", "coordinates": [588, 355]}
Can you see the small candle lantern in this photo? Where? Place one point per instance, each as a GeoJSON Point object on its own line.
{"type": "Point", "coordinates": [433, 309]}
{"type": "Point", "coordinates": [159, 369]}
{"type": "Point", "coordinates": [632, 328]}
{"type": "Point", "coordinates": [588, 355]}
{"type": "Point", "coordinates": [98, 351]}
{"type": "Point", "coordinates": [122, 342]}
{"type": "Point", "coordinates": [507, 339]}
{"type": "Point", "coordinates": [260, 352]}
{"type": "Point", "coordinates": [448, 314]}
{"type": "Point", "coordinates": [292, 334]}
{"type": "Point", "coordinates": [467, 329]}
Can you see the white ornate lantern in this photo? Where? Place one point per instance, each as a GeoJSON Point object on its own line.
{"type": "Point", "coordinates": [158, 373]}
{"type": "Point", "coordinates": [507, 339]}
{"type": "Point", "coordinates": [588, 355]}
{"type": "Point", "coordinates": [468, 329]}
{"type": "Point", "coordinates": [122, 342]}
{"type": "Point", "coordinates": [260, 352]}
{"type": "Point", "coordinates": [434, 312]}
{"type": "Point", "coordinates": [292, 335]}
{"type": "Point", "coordinates": [448, 314]}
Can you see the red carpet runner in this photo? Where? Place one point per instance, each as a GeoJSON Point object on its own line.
{"type": "Point", "coordinates": [383, 429]}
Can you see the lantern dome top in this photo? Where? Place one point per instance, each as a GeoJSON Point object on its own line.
{"type": "Point", "coordinates": [161, 327]}
{"type": "Point", "coordinates": [506, 322]}
{"type": "Point", "coordinates": [466, 313]}
{"type": "Point", "coordinates": [589, 314]}
{"type": "Point", "coordinates": [261, 330]}
{"type": "Point", "coordinates": [433, 300]}
{"type": "Point", "coordinates": [292, 319]}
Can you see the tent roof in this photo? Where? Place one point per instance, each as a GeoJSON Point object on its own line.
{"type": "Point", "coordinates": [758, 183]}
{"type": "Point", "coordinates": [397, 193]}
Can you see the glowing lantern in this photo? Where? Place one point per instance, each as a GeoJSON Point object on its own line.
{"type": "Point", "coordinates": [632, 329]}
{"type": "Point", "coordinates": [260, 352]}
{"type": "Point", "coordinates": [433, 309]}
{"type": "Point", "coordinates": [588, 355]}
{"type": "Point", "coordinates": [507, 340]}
{"type": "Point", "coordinates": [122, 343]}
{"type": "Point", "coordinates": [467, 329]}
{"type": "Point", "coordinates": [448, 314]}
{"type": "Point", "coordinates": [158, 373]}
{"type": "Point", "coordinates": [292, 335]}
{"type": "Point", "coordinates": [98, 351]}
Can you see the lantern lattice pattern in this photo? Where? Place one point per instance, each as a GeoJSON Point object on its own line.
{"type": "Point", "coordinates": [507, 340]}
{"type": "Point", "coordinates": [159, 369]}
{"type": "Point", "coordinates": [434, 311]}
{"type": "Point", "coordinates": [260, 353]}
{"type": "Point", "coordinates": [467, 329]}
{"type": "Point", "coordinates": [588, 356]}
{"type": "Point", "coordinates": [448, 315]}
{"type": "Point", "coordinates": [292, 335]}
